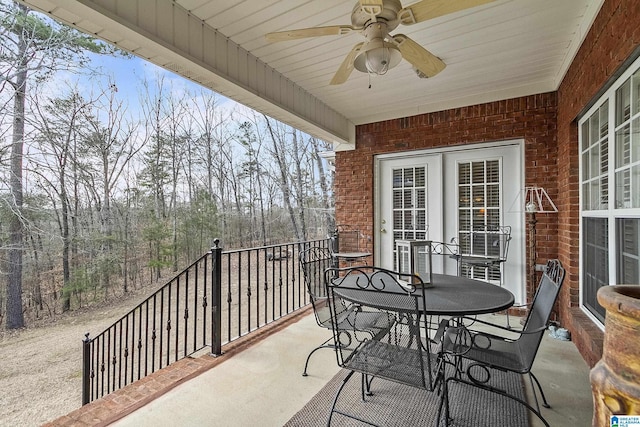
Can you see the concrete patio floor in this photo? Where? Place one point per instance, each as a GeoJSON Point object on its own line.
{"type": "Point", "coordinates": [262, 385]}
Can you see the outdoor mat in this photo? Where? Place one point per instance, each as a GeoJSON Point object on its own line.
{"type": "Point", "coordinates": [394, 404]}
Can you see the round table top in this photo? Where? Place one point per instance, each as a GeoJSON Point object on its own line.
{"type": "Point", "coordinates": [446, 295]}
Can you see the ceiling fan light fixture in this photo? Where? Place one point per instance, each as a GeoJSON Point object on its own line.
{"type": "Point", "coordinates": [377, 57]}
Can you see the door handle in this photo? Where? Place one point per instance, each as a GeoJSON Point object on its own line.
{"type": "Point", "coordinates": [383, 230]}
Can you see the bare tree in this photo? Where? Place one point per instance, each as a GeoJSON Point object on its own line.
{"type": "Point", "coordinates": [108, 148]}
{"type": "Point", "coordinates": [32, 47]}
{"type": "Point", "coordinates": [58, 123]}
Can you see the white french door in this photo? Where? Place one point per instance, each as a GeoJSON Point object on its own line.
{"type": "Point", "coordinates": [410, 204]}
{"type": "Point", "coordinates": [422, 195]}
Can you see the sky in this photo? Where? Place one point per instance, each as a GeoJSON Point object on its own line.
{"type": "Point", "coordinates": [128, 73]}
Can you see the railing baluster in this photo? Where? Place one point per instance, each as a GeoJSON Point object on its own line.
{"type": "Point", "coordinates": [258, 271]}
{"type": "Point", "coordinates": [126, 348]}
{"type": "Point", "coordinates": [153, 337]}
{"type": "Point", "coordinates": [119, 357]}
{"type": "Point", "coordinates": [139, 345]}
{"type": "Point", "coordinates": [168, 326]}
{"type": "Point", "coordinates": [160, 330]}
{"type": "Point", "coordinates": [229, 311]}
{"type": "Point", "coordinates": [195, 309]}
{"type": "Point", "coordinates": [239, 294]}
{"type": "Point", "coordinates": [249, 258]}
{"type": "Point", "coordinates": [186, 312]}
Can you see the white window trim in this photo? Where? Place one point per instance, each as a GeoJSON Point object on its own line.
{"type": "Point", "coordinates": [612, 213]}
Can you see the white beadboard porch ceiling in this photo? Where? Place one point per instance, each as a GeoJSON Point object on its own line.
{"type": "Point", "coordinates": [504, 49]}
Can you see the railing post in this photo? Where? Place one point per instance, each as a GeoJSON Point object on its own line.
{"type": "Point", "coordinates": [86, 369]}
{"type": "Point", "coordinates": [216, 298]}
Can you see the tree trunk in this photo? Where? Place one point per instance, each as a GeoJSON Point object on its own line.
{"type": "Point", "coordinates": [15, 317]}
{"type": "Point", "coordinates": [284, 182]}
{"type": "Point", "coordinates": [324, 187]}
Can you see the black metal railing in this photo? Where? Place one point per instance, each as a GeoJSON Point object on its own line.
{"type": "Point", "coordinates": [222, 296]}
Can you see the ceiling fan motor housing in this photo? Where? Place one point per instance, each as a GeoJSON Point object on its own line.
{"type": "Point", "coordinates": [361, 19]}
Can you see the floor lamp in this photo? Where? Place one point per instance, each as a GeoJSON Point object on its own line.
{"type": "Point", "coordinates": [536, 201]}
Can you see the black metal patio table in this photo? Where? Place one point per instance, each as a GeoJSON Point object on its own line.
{"type": "Point", "coordinates": [445, 295]}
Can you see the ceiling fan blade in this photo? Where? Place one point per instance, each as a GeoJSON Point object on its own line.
{"type": "Point", "coordinates": [336, 30]}
{"type": "Point", "coordinates": [423, 60]}
{"type": "Point", "coordinates": [372, 7]}
{"type": "Point", "coordinates": [429, 9]}
{"type": "Point", "coordinates": [345, 69]}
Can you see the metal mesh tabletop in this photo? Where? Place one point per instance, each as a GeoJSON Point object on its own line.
{"type": "Point", "coordinates": [447, 295]}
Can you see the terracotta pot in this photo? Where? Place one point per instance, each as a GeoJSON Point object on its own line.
{"type": "Point", "coordinates": [615, 380]}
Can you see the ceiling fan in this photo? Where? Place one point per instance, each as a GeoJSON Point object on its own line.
{"type": "Point", "coordinates": [381, 51]}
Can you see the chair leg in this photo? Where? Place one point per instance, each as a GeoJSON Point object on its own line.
{"type": "Point", "coordinates": [444, 403]}
{"type": "Point", "coordinates": [366, 386]}
{"type": "Point", "coordinates": [335, 399]}
{"type": "Point", "coordinates": [544, 398]}
{"type": "Point", "coordinates": [323, 345]}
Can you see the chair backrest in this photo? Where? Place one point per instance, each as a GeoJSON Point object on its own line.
{"type": "Point", "coordinates": [490, 241]}
{"type": "Point", "coordinates": [314, 261]}
{"type": "Point", "coordinates": [392, 347]}
{"type": "Point", "coordinates": [347, 239]}
{"type": "Point", "coordinates": [444, 254]}
{"type": "Point", "coordinates": [541, 308]}
{"type": "Point", "coordinates": [425, 257]}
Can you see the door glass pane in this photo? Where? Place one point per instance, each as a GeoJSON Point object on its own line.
{"type": "Point", "coordinates": [464, 196]}
{"type": "Point", "coordinates": [477, 173]}
{"type": "Point", "coordinates": [493, 195]}
{"type": "Point", "coordinates": [464, 174]}
{"type": "Point", "coordinates": [478, 195]}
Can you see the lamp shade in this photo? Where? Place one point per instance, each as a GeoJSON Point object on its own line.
{"type": "Point", "coordinates": [377, 57]}
{"type": "Point", "coordinates": [537, 200]}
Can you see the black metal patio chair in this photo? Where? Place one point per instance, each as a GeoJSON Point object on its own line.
{"type": "Point", "coordinates": [398, 348]}
{"type": "Point", "coordinates": [314, 261]}
{"type": "Point", "coordinates": [485, 351]}
{"type": "Point", "coordinates": [346, 240]}
{"type": "Point", "coordinates": [483, 252]}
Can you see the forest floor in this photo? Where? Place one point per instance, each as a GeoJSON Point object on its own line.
{"type": "Point", "coordinates": [41, 365]}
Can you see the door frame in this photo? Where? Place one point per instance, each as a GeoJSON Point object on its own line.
{"type": "Point", "coordinates": [509, 207]}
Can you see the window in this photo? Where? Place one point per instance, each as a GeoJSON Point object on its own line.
{"type": "Point", "coordinates": [609, 137]}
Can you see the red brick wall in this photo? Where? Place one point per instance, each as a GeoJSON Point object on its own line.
{"type": "Point", "coordinates": [546, 122]}
{"type": "Point", "coordinates": [531, 118]}
{"type": "Point", "coordinates": [612, 38]}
